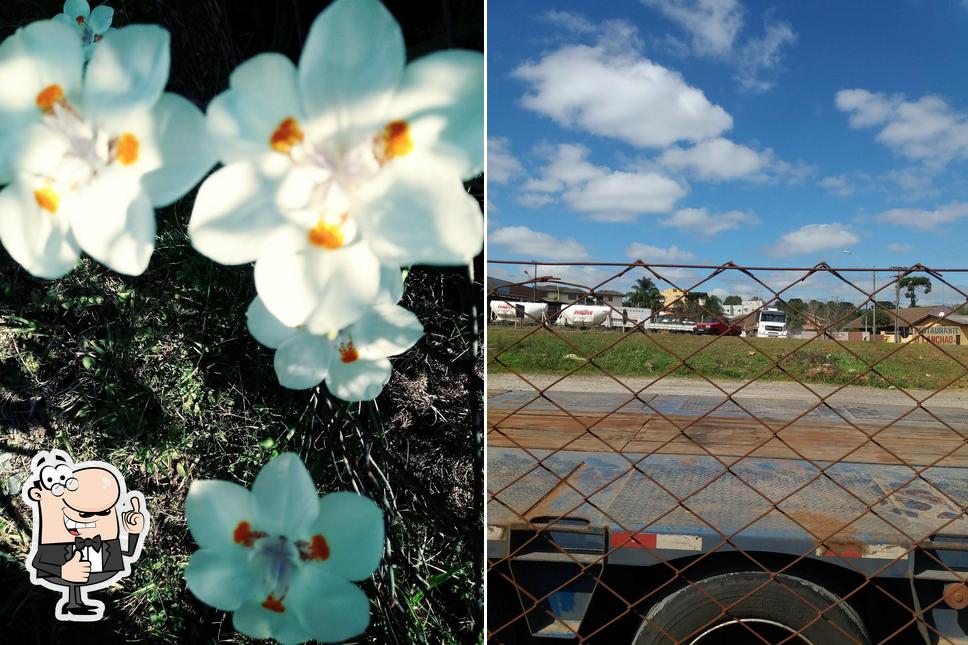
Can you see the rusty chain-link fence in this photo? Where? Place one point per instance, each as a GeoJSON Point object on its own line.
{"type": "Point", "coordinates": [666, 464]}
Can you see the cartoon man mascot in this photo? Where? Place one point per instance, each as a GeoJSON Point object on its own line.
{"type": "Point", "coordinates": [87, 530]}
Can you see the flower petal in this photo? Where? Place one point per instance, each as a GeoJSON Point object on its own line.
{"type": "Point", "coordinates": [41, 54]}
{"type": "Point", "coordinates": [411, 217]}
{"type": "Point", "coordinates": [391, 284]}
{"type": "Point", "coordinates": [442, 100]}
{"type": "Point", "coordinates": [113, 221]}
{"type": "Point", "coordinates": [100, 19]}
{"type": "Point", "coordinates": [286, 496]}
{"type": "Point", "coordinates": [302, 361]}
{"type": "Point", "coordinates": [386, 330]}
{"type": "Point", "coordinates": [129, 69]}
{"type": "Point", "coordinates": [330, 608]}
{"type": "Point", "coordinates": [258, 622]}
{"type": "Point", "coordinates": [350, 67]}
{"type": "Point", "coordinates": [186, 154]}
{"type": "Point", "coordinates": [266, 328]}
{"type": "Point", "coordinates": [39, 241]}
{"type": "Point", "coordinates": [213, 510]}
{"type": "Point", "coordinates": [352, 526]}
{"type": "Point", "coordinates": [77, 9]}
{"type": "Point", "coordinates": [223, 579]}
{"type": "Point", "coordinates": [234, 214]}
{"type": "Point", "coordinates": [325, 289]}
{"type": "Point", "coordinates": [361, 380]}
{"type": "Point", "coordinates": [263, 91]}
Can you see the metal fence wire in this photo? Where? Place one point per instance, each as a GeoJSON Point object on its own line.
{"type": "Point", "coordinates": [646, 487]}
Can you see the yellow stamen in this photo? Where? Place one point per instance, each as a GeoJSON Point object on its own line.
{"type": "Point", "coordinates": [326, 235]}
{"type": "Point", "coordinates": [396, 140]}
{"type": "Point", "coordinates": [127, 148]}
{"type": "Point", "coordinates": [47, 199]}
{"type": "Point", "coordinates": [286, 135]}
{"type": "Point", "coordinates": [348, 353]}
{"type": "Point", "coordinates": [48, 96]}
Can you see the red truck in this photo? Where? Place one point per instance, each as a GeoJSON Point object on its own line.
{"type": "Point", "coordinates": [717, 328]}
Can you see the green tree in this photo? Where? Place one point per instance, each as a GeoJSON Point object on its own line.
{"type": "Point", "coordinates": [644, 294]}
{"type": "Point", "coordinates": [911, 284]}
{"type": "Point", "coordinates": [733, 300]}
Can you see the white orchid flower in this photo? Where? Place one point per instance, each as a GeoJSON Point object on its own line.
{"type": "Point", "coordinates": [282, 558]}
{"type": "Point", "coordinates": [353, 361]}
{"type": "Point", "coordinates": [91, 25]}
{"type": "Point", "coordinates": [351, 161]}
{"type": "Point", "coordinates": [88, 153]}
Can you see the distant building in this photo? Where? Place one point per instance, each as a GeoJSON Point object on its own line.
{"type": "Point", "coordinates": [950, 329]}
{"type": "Point", "coordinates": [671, 295]}
{"type": "Point", "coordinates": [904, 319]}
{"type": "Point", "coordinates": [744, 308]}
{"type": "Point", "coordinates": [498, 289]}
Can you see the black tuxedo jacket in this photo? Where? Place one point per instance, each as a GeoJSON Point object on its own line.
{"type": "Point", "coordinates": [51, 557]}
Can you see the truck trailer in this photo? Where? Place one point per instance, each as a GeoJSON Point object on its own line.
{"type": "Point", "coordinates": [693, 500]}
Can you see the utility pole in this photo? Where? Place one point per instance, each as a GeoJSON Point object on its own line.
{"type": "Point", "coordinates": [873, 303]}
{"type": "Point", "coordinates": [897, 304]}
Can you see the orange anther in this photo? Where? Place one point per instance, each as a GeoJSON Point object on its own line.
{"type": "Point", "coordinates": [327, 236]}
{"type": "Point", "coordinates": [80, 20]}
{"type": "Point", "coordinates": [127, 148]}
{"type": "Point", "coordinates": [286, 135]}
{"type": "Point", "coordinates": [396, 140]}
{"type": "Point", "coordinates": [348, 352]}
{"type": "Point", "coordinates": [244, 535]}
{"type": "Point", "coordinates": [48, 96]}
{"type": "Point", "coordinates": [47, 199]}
{"type": "Point", "coordinates": [274, 604]}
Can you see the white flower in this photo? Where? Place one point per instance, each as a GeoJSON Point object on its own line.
{"type": "Point", "coordinates": [353, 362]}
{"type": "Point", "coordinates": [352, 160]}
{"type": "Point", "coordinates": [88, 153]}
{"type": "Point", "coordinates": [280, 557]}
{"type": "Point", "coordinates": [91, 25]}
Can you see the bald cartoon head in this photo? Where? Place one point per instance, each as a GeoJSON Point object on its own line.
{"type": "Point", "coordinates": [74, 501]}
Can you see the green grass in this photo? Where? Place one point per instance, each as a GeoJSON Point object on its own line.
{"type": "Point", "coordinates": [542, 351]}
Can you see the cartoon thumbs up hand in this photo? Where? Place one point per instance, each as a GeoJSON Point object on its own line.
{"type": "Point", "coordinates": [134, 520]}
{"type": "Point", "coordinates": [75, 569]}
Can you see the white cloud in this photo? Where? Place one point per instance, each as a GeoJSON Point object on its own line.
{"type": "Point", "coordinates": [924, 219]}
{"type": "Point", "coordinates": [715, 159]}
{"type": "Point", "coordinates": [758, 61]}
{"type": "Point", "coordinates": [599, 192]}
{"type": "Point", "coordinates": [535, 200]}
{"type": "Point", "coordinates": [712, 24]}
{"type": "Point", "coordinates": [568, 21]}
{"type": "Point", "coordinates": [534, 244]}
{"type": "Point", "coordinates": [898, 247]}
{"type": "Point", "coordinates": [656, 254]}
{"type": "Point", "coordinates": [839, 185]}
{"type": "Point", "coordinates": [698, 221]}
{"type": "Point", "coordinates": [502, 166]}
{"type": "Point", "coordinates": [927, 129]}
{"type": "Point", "coordinates": [616, 92]}
{"type": "Point", "coordinates": [714, 27]}
{"type": "Point", "coordinates": [812, 238]}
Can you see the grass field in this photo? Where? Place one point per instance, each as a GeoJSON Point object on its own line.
{"type": "Point", "coordinates": [541, 351]}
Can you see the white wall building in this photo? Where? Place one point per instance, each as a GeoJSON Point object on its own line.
{"type": "Point", "coordinates": [746, 307]}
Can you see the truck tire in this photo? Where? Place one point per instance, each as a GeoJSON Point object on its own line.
{"type": "Point", "coordinates": [773, 612]}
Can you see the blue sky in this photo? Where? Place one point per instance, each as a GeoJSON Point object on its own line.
{"type": "Point", "coordinates": [703, 131]}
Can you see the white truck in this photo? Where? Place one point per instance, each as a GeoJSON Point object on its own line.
{"type": "Point", "coordinates": [528, 313]}
{"type": "Point", "coordinates": [583, 316]}
{"type": "Point", "coordinates": [770, 322]}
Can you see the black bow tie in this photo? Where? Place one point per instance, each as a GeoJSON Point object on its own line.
{"type": "Point", "coordinates": [82, 543]}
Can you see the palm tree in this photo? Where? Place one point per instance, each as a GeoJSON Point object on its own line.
{"type": "Point", "coordinates": [644, 294]}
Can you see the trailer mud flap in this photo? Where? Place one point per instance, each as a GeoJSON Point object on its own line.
{"type": "Point", "coordinates": [556, 572]}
